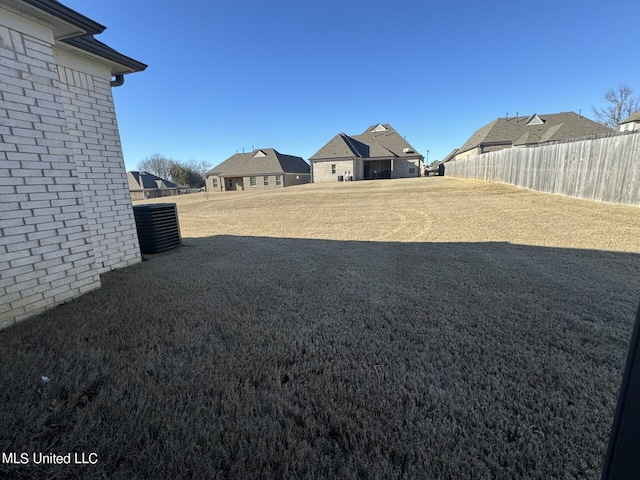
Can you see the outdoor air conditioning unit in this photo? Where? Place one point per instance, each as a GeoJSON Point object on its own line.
{"type": "Point", "coordinates": [157, 226]}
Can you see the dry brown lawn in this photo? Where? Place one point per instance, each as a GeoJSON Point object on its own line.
{"type": "Point", "coordinates": [429, 328]}
{"type": "Point", "coordinates": [430, 209]}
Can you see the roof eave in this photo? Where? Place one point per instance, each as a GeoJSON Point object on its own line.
{"type": "Point", "coordinates": [65, 14]}
{"type": "Point", "coordinates": [120, 64]}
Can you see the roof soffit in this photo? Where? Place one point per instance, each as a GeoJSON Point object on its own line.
{"type": "Point", "coordinates": [90, 48]}
{"type": "Point", "coordinates": [73, 33]}
{"type": "Point", "coordinates": [64, 21]}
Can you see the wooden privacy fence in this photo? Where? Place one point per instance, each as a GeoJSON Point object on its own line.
{"type": "Point", "coordinates": [605, 169]}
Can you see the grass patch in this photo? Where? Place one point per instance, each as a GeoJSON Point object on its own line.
{"type": "Point", "coordinates": [437, 351]}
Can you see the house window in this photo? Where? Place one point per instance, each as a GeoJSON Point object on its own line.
{"type": "Point", "coordinates": [265, 179]}
{"type": "Point", "coordinates": [333, 168]}
{"type": "Point", "coordinates": [412, 170]}
{"type": "Point", "coordinates": [214, 182]}
{"type": "Point", "coordinates": [230, 183]}
{"type": "Point", "coordinates": [278, 180]}
{"type": "Point", "coordinates": [252, 181]}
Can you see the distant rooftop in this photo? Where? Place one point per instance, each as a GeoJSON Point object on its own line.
{"type": "Point", "coordinates": [534, 129]}
{"type": "Point", "coordinates": [634, 117]}
{"type": "Point", "coordinates": [264, 161]}
{"type": "Point", "coordinates": [379, 140]}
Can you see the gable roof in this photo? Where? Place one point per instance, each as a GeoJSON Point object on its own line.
{"type": "Point", "coordinates": [450, 156]}
{"type": "Point", "coordinates": [264, 161]}
{"type": "Point", "coordinates": [146, 180]}
{"type": "Point", "coordinates": [634, 117]}
{"type": "Point", "coordinates": [533, 130]}
{"type": "Point", "coordinates": [342, 146]}
{"type": "Point", "coordinates": [379, 140]}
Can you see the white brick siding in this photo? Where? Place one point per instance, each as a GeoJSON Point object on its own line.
{"type": "Point", "coordinates": [291, 179]}
{"type": "Point", "coordinates": [95, 141]}
{"type": "Point", "coordinates": [402, 167]}
{"type": "Point", "coordinates": [65, 213]}
{"type": "Point", "coordinates": [322, 170]}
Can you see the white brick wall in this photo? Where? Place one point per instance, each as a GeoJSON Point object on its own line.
{"type": "Point", "coordinates": [95, 141]}
{"type": "Point", "coordinates": [65, 214]}
{"type": "Point", "coordinates": [322, 170]}
{"type": "Point", "coordinates": [402, 167]}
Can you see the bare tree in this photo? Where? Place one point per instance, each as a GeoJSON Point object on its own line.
{"type": "Point", "coordinates": [158, 165]}
{"type": "Point", "coordinates": [622, 104]}
{"type": "Point", "coordinates": [201, 167]}
{"type": "Point", "coordinates": [191, 173]}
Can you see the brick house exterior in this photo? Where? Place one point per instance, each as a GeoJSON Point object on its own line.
{"type": "Point", "coordinates": [631, 123]}
{"type": "Point", "coordinates": [144, 185]}
{"type": "Point", "coordinates": [65, 209]}
{"type": "Point", "coordinates": [379, 152]}
{"type": "Point", "coordinates": [264, 168]}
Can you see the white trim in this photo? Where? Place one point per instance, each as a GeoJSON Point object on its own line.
{"type": "Point", "coordinates": [26, 25]}
{"type": "Point", "coordinates": [535, 120]}
{"type": "Point", "coordinates": [81, 64]}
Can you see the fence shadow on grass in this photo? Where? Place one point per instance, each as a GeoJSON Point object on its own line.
{"type": "Point", "coordinates": [281, 357]}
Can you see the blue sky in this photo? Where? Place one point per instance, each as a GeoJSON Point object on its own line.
{"type": "Point", "coordinates": [229, 75]}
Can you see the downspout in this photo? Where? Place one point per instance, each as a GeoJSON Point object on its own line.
{"type": "Point", "coordinates": [118, 81]}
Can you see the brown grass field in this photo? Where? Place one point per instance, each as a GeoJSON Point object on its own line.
{"type": "Point", "coordinates": [429, 328]}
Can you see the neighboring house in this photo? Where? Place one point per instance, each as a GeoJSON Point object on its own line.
{"type": "Point", "coordinates": [438, 168]}
{"type": "Point", "coordinates": [631, 123]}
{"type": "Point", "coordinates": [379, 152]}
{"type": "Point", "coordinates": [263, 168]}
{"type": "Point", "coordinates": [65, 211]}
{"type": "Point", "coordinates": [536, 129]}
{"type": "Point", "coordinates": [143, 185]}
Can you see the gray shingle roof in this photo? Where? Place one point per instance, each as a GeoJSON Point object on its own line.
{"type": "Point", "coordinates": [144, 180]}
{"type": "Point", "coordinates": [634, 117]}
{"type": "Point", "coordinates": [379, 140]}
{"type": "Point", "coordinates": [527, 131]}
{"type": "Point", "coordinates": [265, 161]}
